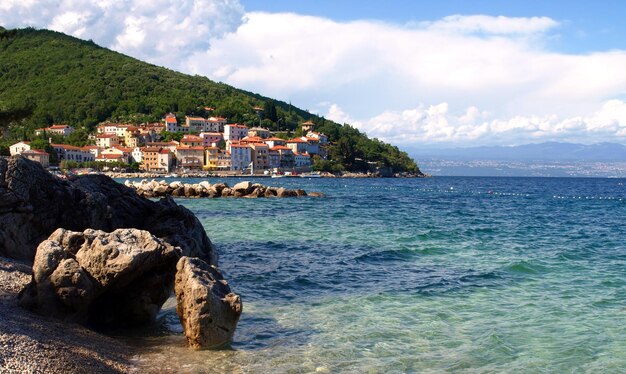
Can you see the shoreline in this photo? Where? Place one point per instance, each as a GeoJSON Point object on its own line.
{"type": "Point", "coordinates": [144, 175]}
{"type": "Point", "coordinates": [37, 344]}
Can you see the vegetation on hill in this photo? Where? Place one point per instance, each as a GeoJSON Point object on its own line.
{"type": "Point", "coordinates": [48, 77]}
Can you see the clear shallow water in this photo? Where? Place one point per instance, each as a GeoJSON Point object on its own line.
{"type": "Point", "coordinates": [419, 275]}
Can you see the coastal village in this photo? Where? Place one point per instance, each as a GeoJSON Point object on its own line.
{"type": "Point", "coordinates": [207, 144]}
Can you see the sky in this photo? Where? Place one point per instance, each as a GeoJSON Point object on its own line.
{"type": "Point", "coordinates": [446, 73]}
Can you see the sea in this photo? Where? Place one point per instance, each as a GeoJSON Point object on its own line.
{"type": "Point", "coordinates": [442, 274]}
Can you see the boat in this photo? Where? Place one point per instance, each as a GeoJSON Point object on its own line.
{"type": "Point", "coordinates": [314, 174]}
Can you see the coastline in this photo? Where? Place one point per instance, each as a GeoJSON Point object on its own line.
{"type": "Point", "coordinates": [36, 344]}
{"type": "Point", "coordinates": [144, 175]}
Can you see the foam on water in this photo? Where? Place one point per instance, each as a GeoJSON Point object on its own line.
{"type": "Point", "coordinates": [442, 274]}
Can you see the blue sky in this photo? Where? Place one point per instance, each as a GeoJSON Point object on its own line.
{"type": "Point", "coordinates": [414, 73]}
{"type": "Point", "coordinates": [587, 26]}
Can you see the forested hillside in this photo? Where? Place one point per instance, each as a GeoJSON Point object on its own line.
{"type": "Point", "coordinates": [48, 77]}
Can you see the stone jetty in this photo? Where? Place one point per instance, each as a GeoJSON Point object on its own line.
{"type": "Point", "coordinates": [246, 189]}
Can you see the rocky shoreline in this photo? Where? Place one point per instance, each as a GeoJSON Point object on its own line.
{"type": "Point", "coordinates": [154, 188]}
{"type": "Point", "coordinates": [31, 343]}
{"type": "Point", "coordinates": [149, 175]}
{"type": "Point", "coordinates": [91, 253]}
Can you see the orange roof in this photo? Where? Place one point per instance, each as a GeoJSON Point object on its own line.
{"type": "Point", "coordinates": [237, 125]}
{"type": "Point", "coordinates": [109, 156]}
{"type": "Point", "coordinates": [164, 151]}
{"type": "Point", "coordinates": [35, 151]}
{"type": "Point", "coordinates": [297, 140]}
{"type": "Point", "coordinates": [259, 145]}
{"type": "Point", "coordinates": [151, 149]}
{"type": "Point", "coordinates": [281, 148]}
{"type": "Point", "coordinates": [67, 147]}
{"type": "Point", "coordinates": [58, 127]}
{"type": "Point", "coordinates": [187, 148]}
{"type": "Point", "coordinates": [312, 139]}
{"type": "Point", "coordinates": [191, 138]}
{"type": "Point", "coordinates": [171, 120]}
{"type": "Point", "coordinates": [91, 147]}
{"type": "Point", "coordinates": [274, 139]}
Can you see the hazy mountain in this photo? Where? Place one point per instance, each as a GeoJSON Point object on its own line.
{"type": "Point", "coordinates": [549, 151]}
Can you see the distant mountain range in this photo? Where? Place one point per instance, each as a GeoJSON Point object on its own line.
{"type": "Point", "coordinates": [541, 152]}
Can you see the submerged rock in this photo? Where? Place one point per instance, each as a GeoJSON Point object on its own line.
{"type": "Point", "coordinates": [207, 308]}
{"type": "Point", "coordinates": [116, 279]}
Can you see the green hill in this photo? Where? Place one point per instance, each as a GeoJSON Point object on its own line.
{"type": "Point", "coordinates": [48, 77]}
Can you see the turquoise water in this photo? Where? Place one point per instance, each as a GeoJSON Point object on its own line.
{"type": "Point", "coordinates": [419, 275]}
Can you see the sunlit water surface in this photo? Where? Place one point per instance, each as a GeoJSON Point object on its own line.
{"type": "Point", "coordinates": [417, 275]}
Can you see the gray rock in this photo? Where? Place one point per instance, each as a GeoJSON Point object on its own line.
{"type": "Point", "coordinates": [243, 188]}
{"type": "Point", "coordinates": [120, 278]}
{"type": "Point", "coordinates": [34, 203]}
{"type": "Point", "coordinates": [206, 307]}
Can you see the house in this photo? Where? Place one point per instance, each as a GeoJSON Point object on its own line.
{"type": "Point", "coordinates": [38, 156]}
{"type": "Point", "coordinates": [260, 132]}
{"type": "Point", "coordinates": [240, 156]}
{"type": "Point", "coordinates": [211, 138]}
{"type": "Point", "coordinates": [217, 124]}
{"type": "Point", "coordinates": [301, 159]}
{"type": "Point", "coordinates": [297, 145]}
{"type": "Point", "coordinates": [192, 141]}
{"type": "Point", "coordinates": [137, 155]}
{"type": "Point", "coordinates": [171, 123]}
{"type": "Point", "coordinates": [122, 154]}
{"type": "Point", "coordinates": [211, 158]}
{"type": "Point", "coordinates": [18, 148]}
{"type": "Point", "coordinates": [235, 132]}
{"type": "Point", "coordinates": [111, 157]}
{"type": "Point", "coordinates": [94, 150]}
{"type": "Point", "coordinates": [108, 128]}
{"type": "Point", "coordinates": [286, 156]}
{"type": "Point", "coordinates": [319, 136]}
{"type": "Point", "coordinates": [312, 145]}
{"type": "Point", "coordinates": [259, 155]}
{"type": "Point", "coordinates": [273, 158]}
{"type": "Point", "coordinates": [72, 153]}
{"type": "Point", "coordinates": [191, 158]}
{"type": "Point", "coordinates": [273, 141]}
{"type": "Point", "coordinates": [223, 160]}
{"type": "Point", "coordinates": [63, 130]}
{"type": "Point", "coordinates": [169, 145]}
{"type": "Point", "coordinates": [308, 126]}
{"type": "Point", "coordinates": [166, 159]}
{"type": "Point", "coordinates": [107, 140]}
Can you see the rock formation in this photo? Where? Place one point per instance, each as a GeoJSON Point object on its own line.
{"type": "Point", "coordinates": [207, 308]}
{"type": "Point", "coordinates": [34, 203]}
{"type": "Point", "coordinates": [247, 189]}
{"type": "Point", "coordinates": [116, 279]}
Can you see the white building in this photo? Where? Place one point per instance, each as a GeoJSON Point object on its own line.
{"type": "Point", "coordinates": [63, 130]}
{"type": "Point", "coordinates": [18, 148]}
{"type": "Point", "coordinates": [302, 159]}
{"type": "Point", "coordinates": [72, 153]}
{"type": "Point", "coordinates": [107, 140]}
{"type": "Point", "coordinates": [137, 155]}
{"type": "Point", "coordinates": [240, 156]}
{"type": "Point", "coordinates": [235, 132]}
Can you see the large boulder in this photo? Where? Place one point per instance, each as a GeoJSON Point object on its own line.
{"type": "Point", "coordinates": [207, 308]}
{"type": "Point", "coordinates": [243, 188]}
{"type": "Point", "coordinates": [116, 279]}
{"type": "Point", "coordinates": [34, 203]}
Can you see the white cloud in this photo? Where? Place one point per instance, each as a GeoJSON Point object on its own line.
{"type": "Point", "coordinates": [436, 124]}
{"type": "Point", "coordinates": [159, 31]}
